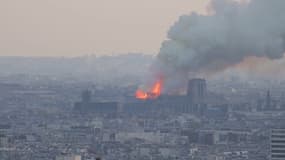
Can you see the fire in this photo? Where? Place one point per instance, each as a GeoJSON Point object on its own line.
{"type": "Point", "coordinates": [140, 94]}
{"type": "Point", "coordinates": [154, 92]}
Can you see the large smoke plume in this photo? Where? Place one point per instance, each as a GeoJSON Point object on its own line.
{"type": "Point", "coordinates": [231, 32]}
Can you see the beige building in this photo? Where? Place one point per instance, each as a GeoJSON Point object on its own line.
{"type": "Point", "coordinates": [68, 157]}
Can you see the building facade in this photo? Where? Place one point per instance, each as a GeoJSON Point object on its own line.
{"type": "Point", "coordinates": [277, 140]}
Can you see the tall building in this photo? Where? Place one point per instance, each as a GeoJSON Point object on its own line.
{"type": "Point", "coordinates": [277, 140]}
{"type": "Point", "coordinates": [197, 90]}
{"type": "Point", "coordinates": [268, 100]}
{"type": "Point", "coordinates": [86, 96]}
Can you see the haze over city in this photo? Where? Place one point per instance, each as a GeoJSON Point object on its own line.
{"type": "Point", "coordinates": [142, 80]}
{"type": "Point", "coordinates": [76, 28]}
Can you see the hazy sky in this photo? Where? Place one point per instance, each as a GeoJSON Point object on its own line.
{"type": "Point", "coordinates": [80, 27]}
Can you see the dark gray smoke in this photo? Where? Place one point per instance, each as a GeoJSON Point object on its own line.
{"type": "Point", "coordinates": [232, 32]}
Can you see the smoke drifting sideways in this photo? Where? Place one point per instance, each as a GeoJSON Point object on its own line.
{"type": "Point", "coordinates": [231, 32]}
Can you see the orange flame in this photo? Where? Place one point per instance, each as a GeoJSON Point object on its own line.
{"type": "Point", "coordinates": [153, 93]}
{"type": "Point", "coordinates": [140, 94]}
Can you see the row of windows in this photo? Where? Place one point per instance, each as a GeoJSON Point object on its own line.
{"type": "Point", "coordinates": [278, 146]}
{"type": "Point", "coordinates": [278, 136]}
{"type": "Point", "coordinates": [278, 151]}
{"type": "Point", "coordinates": [278, 131]}
{"type": "Point", "coordinates": [278, 141]}
{"type": "Point", "coordinates": [278, 156]}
